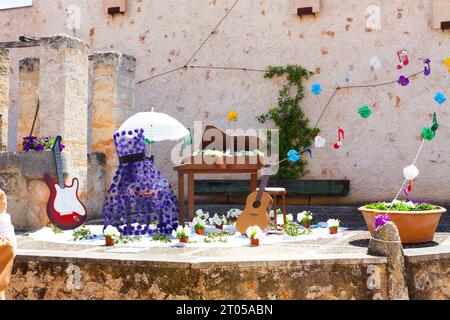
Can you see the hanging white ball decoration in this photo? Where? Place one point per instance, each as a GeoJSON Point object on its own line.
{"type": "Point", "coordinates": [410, 172]}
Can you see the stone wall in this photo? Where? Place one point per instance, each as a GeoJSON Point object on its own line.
{"type": "Point", "coordinates": [29, 98]}
{"type": "Point", "coordinates": [4, 98]}
{"type": "Point", "coordinates": [53, 278]}
{"type": "Point", "coordinates": [21, 178]}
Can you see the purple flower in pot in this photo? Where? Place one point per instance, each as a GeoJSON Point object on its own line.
{"type": "Point", "coordinates": [381, 220]}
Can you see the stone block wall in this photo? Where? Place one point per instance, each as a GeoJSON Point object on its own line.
{"type": "Point", "coordinates": [29, 98]}
{"type": "Point", "coordinates": [4, 98]}
{"type": "Point", "coordinates": [21, 177]}
{"type": "Point", "coordinates": [113, 102]}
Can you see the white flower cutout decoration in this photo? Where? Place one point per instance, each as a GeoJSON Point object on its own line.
{"type": "Point", "coordinates": [319, 142]}
{"type": "Point", "coordinates": [410, 172]}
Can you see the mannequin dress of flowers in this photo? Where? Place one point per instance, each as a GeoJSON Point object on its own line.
{"type": "Point", "coordinates": [140, 200]}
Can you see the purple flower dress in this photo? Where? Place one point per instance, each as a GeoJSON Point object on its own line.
{"type": "Point", "coordinates": [139, 197]}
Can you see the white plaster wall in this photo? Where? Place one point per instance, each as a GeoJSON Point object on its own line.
{"type": "Point", "coordinates": [163, 34]}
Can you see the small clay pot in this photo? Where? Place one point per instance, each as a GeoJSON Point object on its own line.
{"type": "Point", "coordinates": [333, 230]}
{"type": "Point", "coordinates": [306, 225]}
{"type": "Point", "coordinates": [254, 242]}
{"type": "Point", "coordinates": [200, 232]}
{"type": "Point", "coordinates": [184, 240]}
{"type": "Point", "coordinates": [220, 227]}
{"type": "Point", "coordinates": [109, 241]}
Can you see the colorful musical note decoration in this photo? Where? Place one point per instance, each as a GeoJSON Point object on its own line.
{"type": "Point", "coordinates": [403, 81]}
{"type": "Point", "coordinates": [316, 89]}
{"type": "Point", "coordinates": [427, 67]}
{"type": "Point", "coordinates": [232, 116]}
{"type": "Point", "coordinates": [294, 156]}
{"type": "Point", "coordinates": [341, 136]}
{"type": "Point", "coordinates": [365, 112]}
{"type": "Point", "coordinates": [403, 59]}
{"type": "Point", "coordinates": [440, 97]}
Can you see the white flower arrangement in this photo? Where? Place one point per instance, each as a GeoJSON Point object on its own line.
{"type": "Point", "coordinates": [213, 153]}
{"type": "Point", "coordinates": [111, 232]}
{"type": "Point", "coordinates": [198, 223]}
{"type": "Point", "coordinates": [233, 214]}
{"type": "Point", "coordinates": [181, 232]}
{"type": "Point", "coordinates": [254, 232]}
{"type": "Point", "coordinates": [333, 223]}
{"type": "Point", "coordinates": [290, 217]}
{"type": "Point", "coordinates": [217, 220]}
{"type": "Point", "coordinates": [202, 215]}
{"type": "Point", "coordinates": [304, 216]}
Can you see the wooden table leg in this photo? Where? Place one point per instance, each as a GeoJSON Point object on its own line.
{"type": "Point", "coordinates": [253, 182]}
{"type": "Point", "coordinates": [181, 197]}
{"type": "Point", "coordinates": [191, 195]}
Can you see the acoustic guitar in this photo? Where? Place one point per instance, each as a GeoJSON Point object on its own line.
{"type": "Point", "coordinates": [64, 208]}
{"type": "Point", "coordinates": [256, 212]}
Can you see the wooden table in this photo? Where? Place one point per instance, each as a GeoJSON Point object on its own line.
{"type": "Point", "coordinates": [191, 169]}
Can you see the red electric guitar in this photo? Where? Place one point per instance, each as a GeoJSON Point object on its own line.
{"type": "Point", "coordinates": [64, 208]}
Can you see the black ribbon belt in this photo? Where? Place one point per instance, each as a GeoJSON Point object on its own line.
{"type": "Point", "coordinates": [135, 157]}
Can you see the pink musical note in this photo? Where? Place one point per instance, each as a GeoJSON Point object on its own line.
{"type": "Point", "coordinates": [402, 58]}
{"type": "Point", "coordinates": [341, 136]}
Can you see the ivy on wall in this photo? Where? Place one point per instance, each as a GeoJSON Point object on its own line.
{"type": "Point", "coordinates": [288, 116]}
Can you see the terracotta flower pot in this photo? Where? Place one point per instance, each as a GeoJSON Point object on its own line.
{"type": "Point", "coordinates": [305, 224]}
{"type": "Point", "coordinates": [220, 227]}
{"type": "Point", "coordinates": [109, 241]}
{"type": "Point", "coordinates": [184, 240]}
{"type": "Point", "coordinates": [200, 232]}
{"type": "Point", "coordinates": [333, 230]}
{"type": "Point", "coordinates": [254, 242]}
{"type": "Point", "coordinates": [413, 226]}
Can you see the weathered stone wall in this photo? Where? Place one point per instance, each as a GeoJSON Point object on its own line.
{"type": "Point", "coordinates": [29, 98]}
{"type": "Point", "coordinates": [163, 35]}
{"type": "Point", "coordinates": [429, 279]}
{"type": "Point", "coordinates": [113, 102]}
{"type": "Point", "coordinates": [22, 180]}
{"type": "Point", "coordinates": [4, 98]}
{"type": "Point", "coordinates": [53, 278]}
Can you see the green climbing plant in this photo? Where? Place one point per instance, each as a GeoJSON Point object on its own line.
{"type": "Point", "coordinates": [288, 116]}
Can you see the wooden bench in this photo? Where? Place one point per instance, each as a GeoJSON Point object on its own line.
{"type": "Point", "coordinates": [294, 188]}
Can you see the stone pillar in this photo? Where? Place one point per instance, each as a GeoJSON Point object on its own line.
{"type": "Point", "coordinates": [113, 102]}
{"type": "Point", "coordinates": [4, 98]}
{"type": "Point", "coordinates": [386, 242]}
{"type": "Point", "coordinates": [63, 95]}
{"type": "Point", "coordinates": [28, 98]}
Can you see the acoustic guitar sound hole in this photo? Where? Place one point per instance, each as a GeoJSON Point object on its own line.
{"type": "Point", "coordinates": [256, 204]}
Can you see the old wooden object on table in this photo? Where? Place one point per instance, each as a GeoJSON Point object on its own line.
{"type": "Point", "coordinates": [195, 169]}
{"type": "Point", "coordinates": [214, 139]}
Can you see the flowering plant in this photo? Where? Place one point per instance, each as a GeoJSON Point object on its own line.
{"type": "Point", "coordinates": [202, 215]}
{"type": "Point", "coordinates": [198, 223]}
{"type": "Point", "coordinates": [233, 214]}
{"type": "Point", "coordinates": [254, 232]}
{"type": "Point", "coordinates": [304, 217]}
{"type": "Point", "coordinates": [111, 232]}
{"type": "Point", "coordinates": [217, 220]}
{"type": "Point", "coordinates": [381, 220]}
{"type": "Point", "coordinates": [333, 223]}
{"type": "Point", "coordinates": [39, 144]}
{"type": "Point", "coordinates": [401, 205]}
{"type": "Point", "coordinates": [181, 232]}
